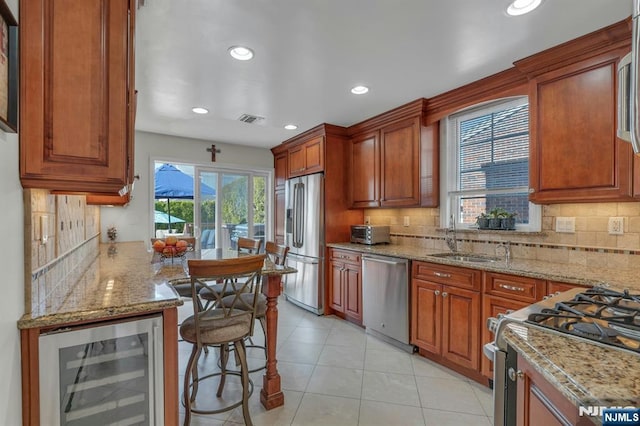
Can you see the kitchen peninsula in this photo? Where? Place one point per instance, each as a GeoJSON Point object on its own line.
{"type": "Point", "coordinates": [120, 285]}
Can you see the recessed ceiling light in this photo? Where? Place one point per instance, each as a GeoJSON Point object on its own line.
{"type": "Point", "coordinates": [200, 110]}
{"type": "Point", "coordinates": [290, 127]}
{"type": "Point", "coordinates": [241, 53]}
{"type": "Point", "coordinates": [520, 7]}
{"type": "Point", "coordinates": [359, 90]}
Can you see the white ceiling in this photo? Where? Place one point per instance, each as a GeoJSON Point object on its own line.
{"type": "Point", "coordinates": [309, 53]}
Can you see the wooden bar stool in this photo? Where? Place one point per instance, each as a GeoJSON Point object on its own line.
{"type": "Point", "coordinates": [221, 325]}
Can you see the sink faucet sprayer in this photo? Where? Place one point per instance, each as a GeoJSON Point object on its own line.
{"type": "Point", "coordinates": [507, 252]}
{"type": "Point", "coordinates": [450, 235]}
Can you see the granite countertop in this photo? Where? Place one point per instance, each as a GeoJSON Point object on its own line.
{"type": "Point", "coordinates": [586, 373]}
{"type": "Point", "coordinates": [117, 283]}
{"type": "Point", "coordinates": [127, 280]}
{"type": "Point", "coordinates": [618, 278]}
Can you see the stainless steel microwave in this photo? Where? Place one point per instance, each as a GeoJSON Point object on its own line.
{"type": "Point", "coordinates": [370, 234]}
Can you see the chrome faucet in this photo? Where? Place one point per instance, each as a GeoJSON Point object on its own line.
{"type": "Point", "coordinates": [507, 252]}
{"type": "Point", "coordinates": [450, 235]}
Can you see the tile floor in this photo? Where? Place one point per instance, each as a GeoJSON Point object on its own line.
{"type": "Point", "coordinates": [333, 374]}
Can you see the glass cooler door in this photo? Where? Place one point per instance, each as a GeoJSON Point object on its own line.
{"type": "Point", "coordinates": [105, 375]}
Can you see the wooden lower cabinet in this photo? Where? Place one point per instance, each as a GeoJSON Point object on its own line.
{"type": "Point", "coordinates": [30, 355]}
{"type": "Point", "coordinates": [345, 284]}
{"type": "Point", "coordinates": [445, 317]}
{"type": "Point", "coordinates": [491, 307]}
{"type": "Point", "coordinates": [540, 404]}
{"type": "Point", "coordinates": [503, 293]}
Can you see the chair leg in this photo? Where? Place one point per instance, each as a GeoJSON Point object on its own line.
{"type": "Point", "coordinates": [244, 371]}
{"type": "Point", "coordinates": [194, 376]}
{"type": "Point", "coordinates": [224, 357]}
{"type": "Point", "coordinates": [187, 385]}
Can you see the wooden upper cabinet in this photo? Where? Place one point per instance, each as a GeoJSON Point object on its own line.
{"type": "Point", "coordinates": [364, 170]}
{"type": "Point", "coordinates": [400, 164]}
{"type": "Point", "coordinates": [575, 155]}
{"type": "Point", "coordinates": [306, 158]}
{"type": "Point", "coordinates": [76, 94]}
{"type": "Point", "coordinates": [394, 160]}
{"type": "Point", "coordinates": [280, 166]}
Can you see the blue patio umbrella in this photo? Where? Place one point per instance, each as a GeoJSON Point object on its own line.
{"type": "Point", "coordinates": [173, 183]}
{"type": "Point", "coordinates": [162, 217]}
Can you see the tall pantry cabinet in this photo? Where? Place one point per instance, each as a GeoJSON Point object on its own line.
{"type": "Point", "coordinates": [77, 94]}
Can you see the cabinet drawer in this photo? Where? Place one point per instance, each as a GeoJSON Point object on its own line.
{"type": "Point", "coordinates": [345, 256]}
{"type": "Point", "coordinates": [555, 286]}
{"type": "Point", "coordinates": [449, 275]}
{"type": "Point", "coordinates": [514, 287]}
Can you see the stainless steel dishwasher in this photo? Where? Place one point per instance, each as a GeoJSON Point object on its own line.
{"type": "Point", "coordinates": [385, 298]}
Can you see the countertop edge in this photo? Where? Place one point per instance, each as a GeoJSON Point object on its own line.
{"type": "Point", "coordinates": [569, 384]}
{"type": "Point", "coordinates": [27, 321]}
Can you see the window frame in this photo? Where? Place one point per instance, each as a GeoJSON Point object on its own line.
{"type": "Point", "coordinates": [449, 160]}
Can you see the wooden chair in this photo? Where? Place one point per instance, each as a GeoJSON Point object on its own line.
{"type": "Point", "coordinates": [221, 325]}
{"type": "Point", "coordinates": [278, 255]}
{"type": "Point", "coordinates": [245, 246]}
{"type": "Point", "coordinates": [249, 245]}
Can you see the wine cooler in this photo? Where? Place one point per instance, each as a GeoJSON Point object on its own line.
{"type": "Point", "coordinates": [110, 374]}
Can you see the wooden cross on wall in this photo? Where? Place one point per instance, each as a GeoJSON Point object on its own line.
{"type": "Point", "coordinates": [213, 152]}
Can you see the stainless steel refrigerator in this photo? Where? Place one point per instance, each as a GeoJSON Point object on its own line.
{"type": "Point", "coordinates": [304, 234]}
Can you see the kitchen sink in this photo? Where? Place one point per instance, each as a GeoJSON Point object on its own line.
{"type": "Point", "coordinates": [462, 257]}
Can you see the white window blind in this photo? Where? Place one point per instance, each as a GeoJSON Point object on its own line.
{"type": "Point", "coordinates": [488, 155]}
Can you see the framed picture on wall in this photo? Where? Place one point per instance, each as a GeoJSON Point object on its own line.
{"type": "Point", "coordinates": [8, 70]}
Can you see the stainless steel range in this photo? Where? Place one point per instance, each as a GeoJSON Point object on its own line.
{"type": "Point", "coordinates": [599, 315]}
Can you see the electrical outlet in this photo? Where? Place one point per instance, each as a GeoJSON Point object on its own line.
{"type": "Point", "coordinates": [367, 220]}
{"type": "Point", "coordinates": [566, 224]}
{"type": "Point", "coordinates": [406, 221]}
{"type": "Point", "coordinates": [616, 226]}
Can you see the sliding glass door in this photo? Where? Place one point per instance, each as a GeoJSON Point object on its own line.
{"type": "Point", "coordinates": [229, 204]}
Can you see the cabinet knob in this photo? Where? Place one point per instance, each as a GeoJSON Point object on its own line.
{"type": "Point", "coordinates": [514, 375]}
{"type": "Point", "coordinates": [437, 292]}
{"type": "Point", "coordinates": [445, 294]}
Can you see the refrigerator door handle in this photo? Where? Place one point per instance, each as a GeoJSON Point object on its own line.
{"type": "Point", "coordinates": [296, 214]}
{"type": "Point", "coordinates": [302, 259]}
{"type": "Point", "coordinates": [301, 214]}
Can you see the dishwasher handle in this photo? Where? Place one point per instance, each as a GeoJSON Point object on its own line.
{"type": "Point", "coordinates": [388, 262]}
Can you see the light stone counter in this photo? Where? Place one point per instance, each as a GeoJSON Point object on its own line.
{"type": "Point", "coordinates": [576, 274]}
{"type": "Point", "coordinates": [587, 374]}
{"type": "Point", "coordinates": [117, 283]}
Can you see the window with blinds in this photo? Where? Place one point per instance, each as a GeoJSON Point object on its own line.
{"type": "Point", "coordinates": [488, 158]}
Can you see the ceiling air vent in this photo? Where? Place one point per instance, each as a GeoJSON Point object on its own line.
{"type": "Point", "coordinates": [251, 119]}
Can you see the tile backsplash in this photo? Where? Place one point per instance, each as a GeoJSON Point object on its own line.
{"type": "Point", "coordinates": [590, 244]}
{"type": "Point", "coordinates": [54, 264]}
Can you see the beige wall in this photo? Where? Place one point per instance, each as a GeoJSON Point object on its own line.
{"type": "Point", "coordinates": [134, 221]}
{"type": "Point", "coordinates": [590, 243]}
{"type": "Point", "coordinates": [12, 300]}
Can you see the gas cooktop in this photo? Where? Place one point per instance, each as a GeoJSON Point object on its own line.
{"type": "Point", "coordinates": [598, 314]}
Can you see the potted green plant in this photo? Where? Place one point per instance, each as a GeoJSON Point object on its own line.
{"type": "Point", "coordinates": [483, 221]}
{"type": "Point", "coordinates": [509, 221]}
{"type": "Point", "coordinates": [495, 217]}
